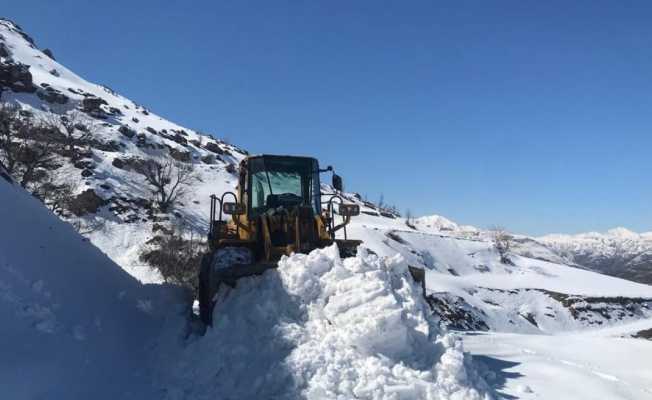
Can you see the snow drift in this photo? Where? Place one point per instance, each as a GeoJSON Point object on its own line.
{"type": "Point", "coordinates": [74, 324]}
{"type": "Point", "coordinates": [321, 327]}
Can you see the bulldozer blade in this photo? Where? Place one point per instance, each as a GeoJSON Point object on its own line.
{"type": "Point", "coordinates": [231, 274]}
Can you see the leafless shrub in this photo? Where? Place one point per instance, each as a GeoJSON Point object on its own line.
{"type": "Point", "coordinates": [56, 196]}
{"type": "Point", "coordinates": [77, 132]}
{"type": "Point", "coordinates": [27, 148]}
{"type": "Point", "coordinates": [502, 241]}
{"type": "Point", "coordinates": [177, 254]}
{"type": "Point", "coordinates": [169, 181]}
{"type": "Point", "coordinates": [409, 219]}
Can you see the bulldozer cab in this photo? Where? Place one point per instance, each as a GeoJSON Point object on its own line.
{"type": "Point", "coordinates": [272, 182]}
{"type": "Point", "coordinates": [277, 209]}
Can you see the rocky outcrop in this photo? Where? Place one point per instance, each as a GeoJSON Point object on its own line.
{"type": "Point", "coordinates": [48, 53]}
{"type": "Point", "coordinates": [214, 148]}
{"type": "Point", "coordinates": [16, 77]}
{"type": "Point", "coordinates": [86, 202]}
{"type": "Point", "coordinates": [92, 106]}
{"type": "Point", "coordinates": [4, 51]}
{"type": "Point", "coordinates": [51, 95]}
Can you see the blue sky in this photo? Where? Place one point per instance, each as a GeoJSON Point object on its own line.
{"type": "Point", "coordinates": [532, 115]}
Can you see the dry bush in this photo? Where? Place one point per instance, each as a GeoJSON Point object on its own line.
{"type": "Point", "coordinates": [177, 254]}
{"type": "Point", "coordinates": [28, 148]}
{"type": "Point", "coordinates": [502, 241]}
{"type": "Point", "coordinates": [169, 181]}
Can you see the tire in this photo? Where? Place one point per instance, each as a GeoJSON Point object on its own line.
{"type": "Point", "coordinates": [209, 276]}
{"type": "Point", "coordinates": [205, 297]}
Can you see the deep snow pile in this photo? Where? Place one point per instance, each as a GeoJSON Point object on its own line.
{"type": "Point", "coordinates": [73, 324]}
{"type": "Point", "coordinates": [323, 328]}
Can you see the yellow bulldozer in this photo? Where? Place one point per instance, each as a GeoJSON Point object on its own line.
{"type": "Point", "coordinates": [278, 210]}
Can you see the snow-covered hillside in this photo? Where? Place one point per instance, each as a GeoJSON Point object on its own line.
{"type": "Point", "coordinates": [121, 132]}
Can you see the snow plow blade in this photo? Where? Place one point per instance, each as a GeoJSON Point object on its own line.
{"type": "Point", "coordinates": [230, 275]}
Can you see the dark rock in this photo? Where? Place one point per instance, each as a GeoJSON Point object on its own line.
{"type": "Point", "coordinates": [84, 164]}
{"type": "Point", "coordinates": [16, 76]}
{"type": "Point", "coordinates": [111, 146]}
{"type": "Point", "coordinates": [114, 111]}
{"type": "Point", "coordinates": [48, 53]}
{"type": "Point", "coordinates": [92, 106]}
{"type": "Point", "coordinates": [213, 147]}
{"type": "Point", "coordinates": [136, 120]}
{"type": "Point", "coordinates": [644, 334]}
{"type": "Point", "coordinates": [86, 202]}
{"type": "Point", "coordinates": [86, 173]}
{"type": "Point", "coordinates": [52, 96]}
{"type": "Point", "coordinates": [151, 130]}
{"type": "Point", "coordinates": [118, 163]}
{"type": "Point", "coordinates": [4, 51]}
{"type": "Point", "coordinates": [183, 156]}
{"type": "Point", "coordinates": [127, 131]}
{"type": "Point", "coordinates": [231, 169]}
{"type": "Point", "coordinates": [180, 139]}
{"type": "Point", "coordinates": [208, 159]}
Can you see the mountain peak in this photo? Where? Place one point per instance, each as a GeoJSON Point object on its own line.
{"type": "Point", "coordinates": [622, 233]}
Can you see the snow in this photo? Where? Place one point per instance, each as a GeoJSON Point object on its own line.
{"type": "Point", "coordinates": [575, 366]}
{"type": "Point", "coordinates": [73, 324]}
{"type": "Point", "coordinates": [320, 327]}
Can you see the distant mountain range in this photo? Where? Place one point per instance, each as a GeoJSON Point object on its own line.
{"type": "Point", "coordinates": [618, 252]}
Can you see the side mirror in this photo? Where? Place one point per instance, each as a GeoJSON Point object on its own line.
{"type": "Point", "coordinates": [337, 182]}
{"type": "Point", "coordinates": [233, 208]}
{"type": "Point", "coordinates": [349, 210]}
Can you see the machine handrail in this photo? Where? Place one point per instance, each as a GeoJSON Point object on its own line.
{"type": "Point", "coordinates": [333, 228]}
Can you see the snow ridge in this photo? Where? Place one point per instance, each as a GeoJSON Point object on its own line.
{"type": "Point", "coordinates": [324, 328]}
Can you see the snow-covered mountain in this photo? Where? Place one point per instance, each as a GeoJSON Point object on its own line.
{"type": "Point", "coordinates": [328, 328]}
{"type": "Point", "coordinates": [117, 214]}
{"type": "Point", "coordinates": [618, 252]}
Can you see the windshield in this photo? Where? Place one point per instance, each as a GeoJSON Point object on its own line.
{"type": "Point", "coordinates": [283, 182]}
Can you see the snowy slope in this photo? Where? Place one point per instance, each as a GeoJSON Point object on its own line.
{"type": "Point", "coordinates": [575, 366]}
{"type": "Point", "coordinates": [122, 131]}
{"type": "Point", "coordinates": [74, 324]}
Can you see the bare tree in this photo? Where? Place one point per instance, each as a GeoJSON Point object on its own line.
{"type": "Point", "coordinates": [502, 242]}
{"type": "Point", "coordinates": [409, 219]}
{"type": "Point", "coordinates": [56, 196]}
{"type": "Point", "coordinates": [76, 131]}
{"type": "Point", "coordinates": [27, 148]}
{"type": "Point", "coordinates": [169, 181]}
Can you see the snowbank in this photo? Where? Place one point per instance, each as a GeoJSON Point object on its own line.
{"type": "Point", "coordinates": [323, 328]}
{"type": "Point", "coordinates": [74, 324]}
